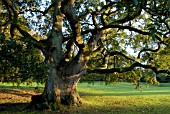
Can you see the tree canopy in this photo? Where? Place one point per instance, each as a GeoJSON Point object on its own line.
{"type": "Point", "coordinates": [20, 62]}
{"type": "Point", "coordinates": [90, 36]}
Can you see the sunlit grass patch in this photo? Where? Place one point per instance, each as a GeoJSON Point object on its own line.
{"type": "Point", "coordinates": [123, 98]}
{"type": "Point", "coordinates": [117, 98]}
{"type": "Point", "coordinates": [127, 104]}
{"type": "Point", "coordinates": [121, 89]}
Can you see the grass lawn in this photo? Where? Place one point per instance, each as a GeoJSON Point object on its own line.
{"type": "Point", "coordinates": [117, 98]}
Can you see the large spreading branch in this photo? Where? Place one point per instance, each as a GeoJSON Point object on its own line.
{"type": "Point", "coordinates": [135, 64]}
{"type": "Point", "coordinates": [125, 69]}
{"type": "Point", "coordinates": [14, 22]}
{"type": "Point", "coordinates": [119, 27]}
{"type": "Point", "coordinates": [68, 10]}
{"type": "Point", "coordinates": [161, 40]}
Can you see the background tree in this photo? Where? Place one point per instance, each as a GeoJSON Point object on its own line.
{"type": "Point", "coordinates": [70, 33]}
{"type": "Point", "coordinates": [20, 62]}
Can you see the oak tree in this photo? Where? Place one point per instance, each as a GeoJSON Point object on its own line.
{"type": "Point", "coordinates": [85, 36]}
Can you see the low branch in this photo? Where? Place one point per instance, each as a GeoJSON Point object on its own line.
{"type": "Point", "coordinates": [126, 69]}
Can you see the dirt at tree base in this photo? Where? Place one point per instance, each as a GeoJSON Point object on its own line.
{"type": "Point", "coordinates": [18, 101]}
{"type": "Point", "coordinates": [14, 99]}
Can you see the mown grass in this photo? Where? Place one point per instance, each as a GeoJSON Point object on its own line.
{"type": "Point", "coordinates": [117, 98]}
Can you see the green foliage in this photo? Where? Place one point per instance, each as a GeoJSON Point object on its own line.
{"type": "Point", "coordinates": [20, 62]}
{"type": "Point", "coordinates": [133, 76]}
{"type": "Point", "coordinates": [164, 78]}
{"type": "Point", "coordinates": [162, 59]}
{"type": "Point", "coordinates": [150, 77]}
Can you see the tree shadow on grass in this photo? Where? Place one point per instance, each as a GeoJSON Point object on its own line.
{"type": "Point", "coordinates": [14, 100]}
{"type": "Point", "coordinates": [13, 107]}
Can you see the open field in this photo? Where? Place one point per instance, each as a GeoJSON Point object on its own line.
{"type": "Point", "coordinates": [118, 98]}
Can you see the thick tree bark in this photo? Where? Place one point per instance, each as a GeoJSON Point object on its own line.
{"type": "Point", "coordinates": [60, 87]}
{"type": "Point", "coordinates": [58, 91]}
{"type": "Point", "coordinates": [68, 92]}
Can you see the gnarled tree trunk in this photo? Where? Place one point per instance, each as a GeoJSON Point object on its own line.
{"type": "Point", "coordinates": [68, 92]}
{"type": "Point", "coordinates": [64, 75]}
{"type": "Point", "coordinates": [60, 88]}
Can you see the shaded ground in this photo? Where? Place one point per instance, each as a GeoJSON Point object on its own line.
{"type": "Point", "coordinates": [15, 95]}
{"type": "Point", "coordinates": [16, 101]}
{"type": "Point", "coordinates": [12, 100]}
{"type": "Point", "coordinates": [13, 107]}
